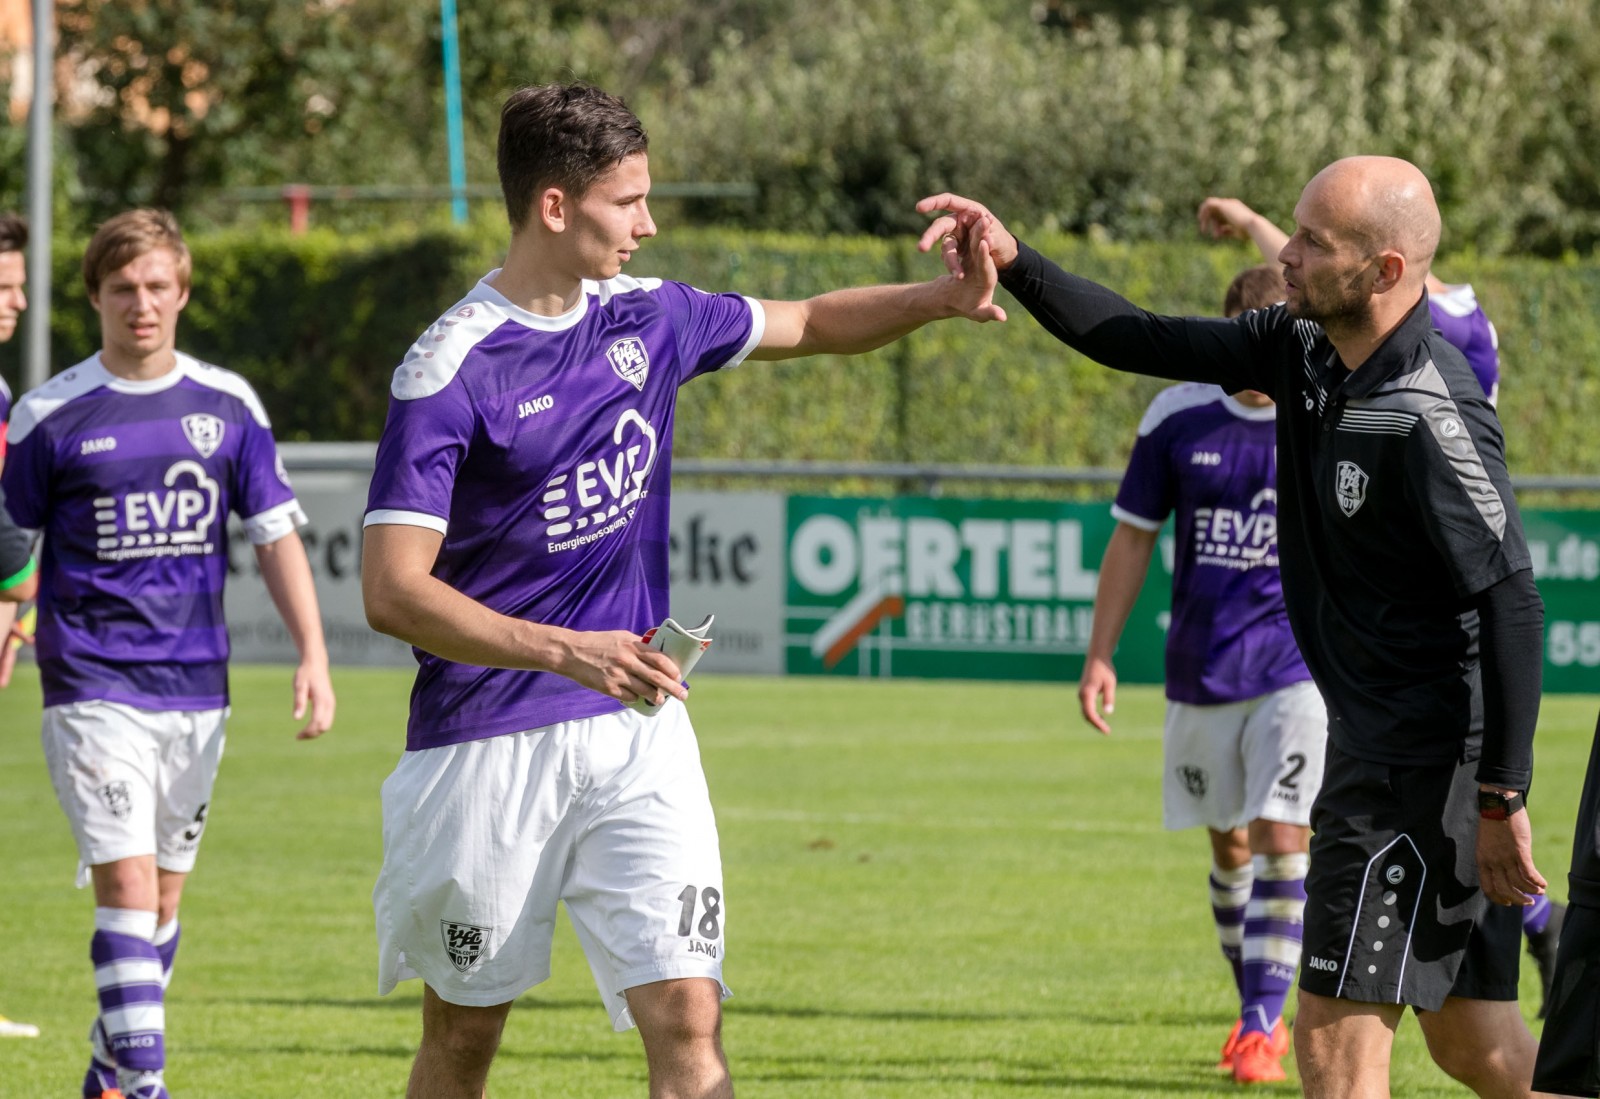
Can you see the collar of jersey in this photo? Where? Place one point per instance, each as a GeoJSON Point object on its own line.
{"type": "Point", "coordinates": [537, 321]}
{"type": "Point", "coordinates": [1393, 354]}
{"type": "Point", "coordinates": [1245, 412]}
{"type": "Point", "coordinates": [179, 370]}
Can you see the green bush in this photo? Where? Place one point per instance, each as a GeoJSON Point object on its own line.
{"type": "Point", "coordinates": [318, 323]}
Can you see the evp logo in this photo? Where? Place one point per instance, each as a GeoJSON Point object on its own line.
{"type": "Point", "coordinates": [598, 490]}
{"type": "Point", "coordinates": [174, 519]}
{"type": "Point", "coordinates": [1239, 539]}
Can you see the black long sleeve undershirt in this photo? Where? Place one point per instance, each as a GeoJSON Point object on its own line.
{"type": "Point", "coordinates": [1511, 658]}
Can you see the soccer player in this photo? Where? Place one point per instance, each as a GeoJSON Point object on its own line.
{"type": "Point", "coordinates": [517, 537]}
{"type": "Point", "coordinates": [129, 462]}
{"type": "Point", "coordinates": [13, 300]}
{"type": "Point", "coordinates": [1569, 1049]}
{"type": "Point", "coordinates": [19, 579]}
{"type": "Point", "coordinates": [1245, 727]}
{"type": "Point", "coordinates": [1461, 320]}
{"type": "Point", "coordinates": [1410, 589]}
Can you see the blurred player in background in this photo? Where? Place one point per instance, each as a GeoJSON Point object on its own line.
{"type": "Point", "coordinates": [129, 463]}
{"type": "Point", "coordinates": [1461, 320]}
{"type": "Point", "coordinates": [19, 578]}
{"type": "Point", "coordinates": [1245, 728]}
{"type": "Point", "coordinates": [516, 534]}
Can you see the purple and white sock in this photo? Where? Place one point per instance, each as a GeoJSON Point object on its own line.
{"type": "Point", "coordinates": [1536, 917]}
{"type": "Point", "coordinates": [128, 977]}
{"type": "Point", "coordinates": [166, 944]}
{"type": "Point", "coordinates": [1272, 930]}
{"type": "Point", "coordinates": [1230, 892]}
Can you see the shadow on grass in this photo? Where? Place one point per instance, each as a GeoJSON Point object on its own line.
{"type": "Point", "coordinates": [929, 1015]}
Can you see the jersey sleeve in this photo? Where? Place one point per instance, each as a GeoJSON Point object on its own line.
{"type": "Point", "coordinates": [1457, 481]}
{"type": "Point", "coordinates": [1146, 496]}
{"type": "Point", "coordinates": [1237, 353]}
{"type": "Point", "coordinates": [16, 550]}
{"type": "Point", "coordinates": [713, 330]}
{"type": "Point", "coordinates": [263, 496]}
{"type": "Point", "coordinates": [423, 444]}
{"type": "Point", "coordinates": [26, 476]}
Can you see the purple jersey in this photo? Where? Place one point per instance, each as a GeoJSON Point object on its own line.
{"type": "Point", "coordinates": [1214, 461]}
{"type": "Point", "coordinates": [132, 483]}
{"type": "Point", "coordinates": [5, 414]}
{"type": "Point", "coordinates": [540, 447]}
{"type": "Point", "coordinates": [1460, 319]}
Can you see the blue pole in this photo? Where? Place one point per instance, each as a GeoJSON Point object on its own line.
{"type": "Point", "coordinates": [452, 111]}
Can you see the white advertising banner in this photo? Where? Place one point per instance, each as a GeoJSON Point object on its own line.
{"type": "Point", "coordinates": [727, 559]}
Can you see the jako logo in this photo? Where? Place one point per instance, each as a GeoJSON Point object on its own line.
{"type": "Point", "coordinates": [1325, 964]}
{"type": "Point", "coordinates": [537, 405]}
{"type": "Point", "coordinates": [1205, 458]}
{"type": "Point", "coordinates": [98, 446]}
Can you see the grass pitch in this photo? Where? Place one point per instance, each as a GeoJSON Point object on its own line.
{"type": "Point", "coordinates": [934, 889]}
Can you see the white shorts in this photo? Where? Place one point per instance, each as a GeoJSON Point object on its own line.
{"type": "Point", "coordinates": [133, 782]}
{"type": "Point", "coordinates": [1260, 759]}
{"type": "Point", "coordinates": [610, 815]}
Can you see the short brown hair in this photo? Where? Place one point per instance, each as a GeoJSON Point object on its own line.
{"type": "Point", "coordinates": [128, 236]}
{"type": "Point", "coordinates": [1254, 288]}
{"type": "Point", "coordinates": [561, 135]}
{"type": "Point", "coordinates": [13, 233]}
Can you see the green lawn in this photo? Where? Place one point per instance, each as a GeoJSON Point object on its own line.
{"type": "Point", "coordinates": [934, 889]}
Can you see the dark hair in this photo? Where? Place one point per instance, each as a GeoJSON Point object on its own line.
{"type": "Point", "coordinates": [13, 233]}
{"type": "Point", "coordinates": [128, 236]}
{"type": "Point", "coordinates": [1254, 288]}
{"type": "Point", "coordinates": [561, 135]}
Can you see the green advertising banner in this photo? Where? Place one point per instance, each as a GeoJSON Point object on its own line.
{"type": "Point", "coordinates": [1004, 589]}
{"type": "Point", "coordinates": [972, 589]}
{"type": "Point", "coordinates": [1566, 562]}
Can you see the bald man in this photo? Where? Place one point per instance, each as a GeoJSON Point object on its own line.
{"type": "Point", "coordinates": [1410, 590]}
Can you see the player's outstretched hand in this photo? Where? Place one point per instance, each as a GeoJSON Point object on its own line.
{"type": "Point", "coordinates": [1505, 861]}
{"type": "Point", "coordinates": [620, 665]}
{"type": "Point", "coordinates": [313, 688]}
{"type": "Point", "coordinates": [962, 225]}
{"type": "Point", "coordinates": [1099, 682]}
{"type": "Point", "coordinates": [1225, 217]}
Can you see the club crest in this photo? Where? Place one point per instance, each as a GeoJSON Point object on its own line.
{"type": "Point", "coordinates": [464, 943]}
{"type": "Point", "coordinates": [118, 798]}
{"type": "Point", "coordinates": [1193, 779]}
{"type": "Point", "coordinates": [629, 360]}
{"type": "Point", "coordinates": [1350, 487]}
{"type": "Point", "coordinates": [204, 431]}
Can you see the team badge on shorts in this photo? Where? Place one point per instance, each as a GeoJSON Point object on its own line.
{"type": "Point", "coordinates": [1350, 487]}
{"type": "Point", "coordinates": [1193, 779]}
{"type": "Point", "coordinates": [118, 798]}
{"type": "Point", "coordinates": [464, 943]}
{"type": "Point", "coordinates": [204, 431]}
{"type": "Point", "coordinates": [630, 361]}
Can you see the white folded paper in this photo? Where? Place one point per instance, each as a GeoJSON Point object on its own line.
{"type": "Point", "coordinates": [684, 646]}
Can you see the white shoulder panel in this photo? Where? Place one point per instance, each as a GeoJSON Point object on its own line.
{"type": "Point", "coordinates": [5, 390]}
{"type": "Point", "coordinates": [436, 357]}
{"type": "Point", "coordinates": [622, 284]}
{"type": "Point", "coordinates": [1458, 300]}
{"type": "Point", "coordinates": [1171, 401]}
{"type": "Point", "coordinates": [215, 377]}
{"type": "Point", "coordinates": [38, 404]}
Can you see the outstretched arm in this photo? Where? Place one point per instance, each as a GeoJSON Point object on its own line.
{"type": "Point", "coordinates": [849, 322]}
{"type": "Point", "coordinates": [1228, 217]}
{"type": "Point", "coordinates": [287, 574]}
{"type": "Point", "coordinates": [1122, 572]}
{"type": "Point", "coordinates": [1097, 321]}
{"type": "Point", "coordinates": [403, 599]}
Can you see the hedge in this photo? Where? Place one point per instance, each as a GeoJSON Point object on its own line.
{"type": "Point", "coordinates": [318, 322]}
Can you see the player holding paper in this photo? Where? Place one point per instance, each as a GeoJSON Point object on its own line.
{"type": "Point", "coordinates": [517, 536]}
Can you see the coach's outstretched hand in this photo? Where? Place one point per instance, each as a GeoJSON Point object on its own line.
{"type": "Point", "coordinates": [1506, 873]}
{"type": "Point", "coordinates": [966, 229]}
